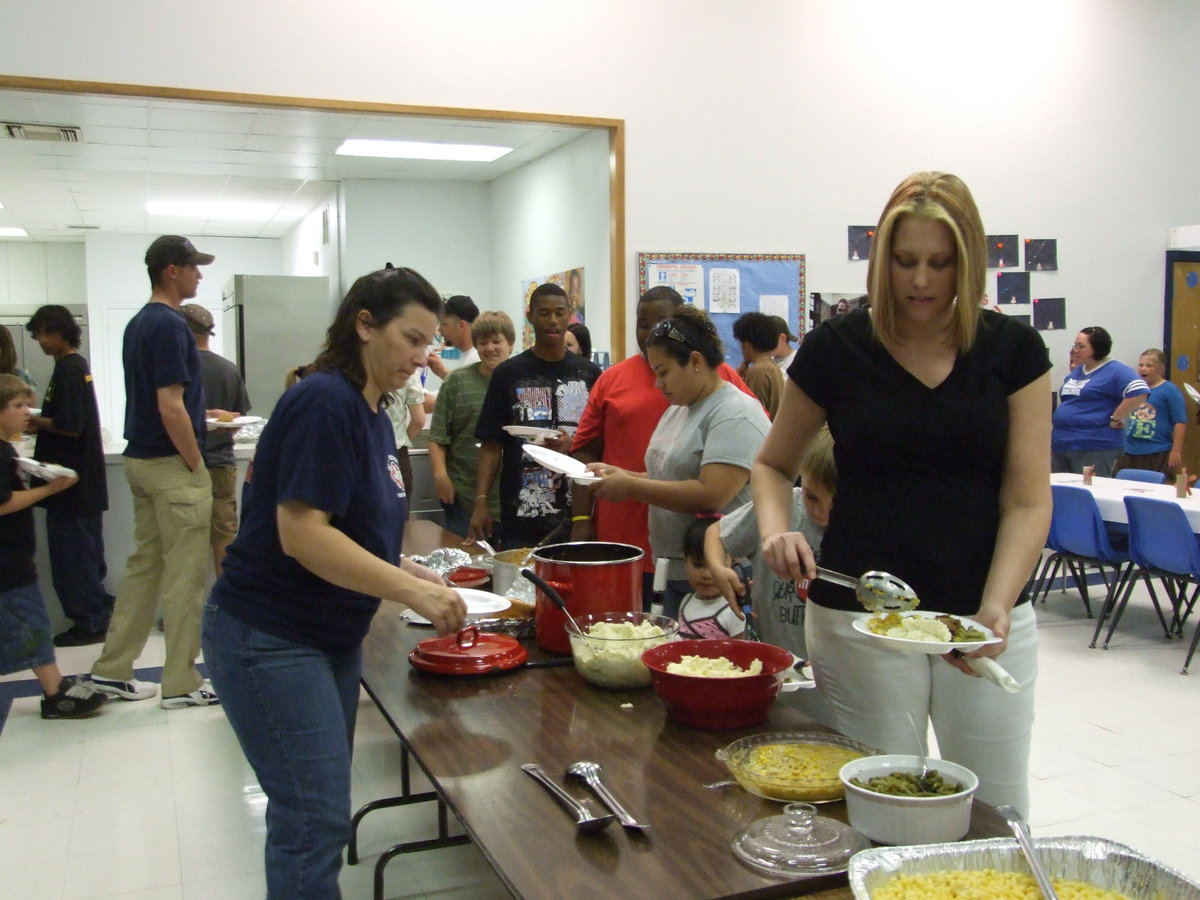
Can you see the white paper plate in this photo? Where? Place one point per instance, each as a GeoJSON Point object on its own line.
{"type": "Point", "coordinates": [931, 647]}
{"type": "Point", "coordinates": [529, 432]}
{"type": "Point", "coordinates": [479, 604]}
{"type": "Point", "coordinates": [1191, 392]}
{"type": "Point", "coordinates": [49, 471]}
{"type": "Point", "coordinates": [33, 411]}
{"type": "Point", "coordinates": [238, 422]}
{"type": "Point", "coordinates": [557, 462]}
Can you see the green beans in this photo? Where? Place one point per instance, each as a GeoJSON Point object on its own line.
{"type": "Point", "coordinates": [902, 784]}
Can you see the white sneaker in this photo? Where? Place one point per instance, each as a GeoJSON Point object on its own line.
{"type": "Point", "coordinates": [125, 690]}
{"type": "Point", "coordinates": [201, 696]}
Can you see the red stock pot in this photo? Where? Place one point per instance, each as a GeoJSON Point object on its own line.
{"type": "Point", "coordinates": [592, 577]}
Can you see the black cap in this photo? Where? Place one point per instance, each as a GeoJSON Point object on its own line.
{"type": "Point", "coordinates": [198, 319]}
{"type": "Point", "coordinates": [781, 323]}
{"type": "Point", "coordinates": [175, 250]}
{"type": "Point", "coordinates": [462, 306]}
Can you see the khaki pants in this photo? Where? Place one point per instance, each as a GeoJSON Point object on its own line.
{"type": "Point", "coordinates": [171, 514]}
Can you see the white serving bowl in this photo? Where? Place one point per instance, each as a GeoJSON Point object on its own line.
{"type": "Point", "coordinates": [891, 819]}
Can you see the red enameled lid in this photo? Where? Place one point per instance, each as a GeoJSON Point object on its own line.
{"type": "Point", "coordinates": [468, 652]}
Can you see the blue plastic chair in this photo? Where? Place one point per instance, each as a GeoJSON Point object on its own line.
{"type": "Point", "coordinates": [1147, 475]}
{"type": "Point", "coordinates": [1082, 540]}
{"type": "Point", "coordinates": [1162, 545]}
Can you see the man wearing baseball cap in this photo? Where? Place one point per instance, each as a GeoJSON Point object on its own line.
{"type": "Point", "coordinates": [784, 352]}
{"type": "Point", "coordinates": [172, 493]}
{"type": "Point", "coordinates": [226, 398]}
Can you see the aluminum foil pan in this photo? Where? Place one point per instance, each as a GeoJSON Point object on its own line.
{"type": "Point", "coordinates": [1097, 861]}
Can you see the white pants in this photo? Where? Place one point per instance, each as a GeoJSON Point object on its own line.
{"type": "Point", "coordinates": [872, 686]}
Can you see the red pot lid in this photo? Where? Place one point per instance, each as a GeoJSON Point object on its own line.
{"type": "Point", "coordinates": [469, 652]}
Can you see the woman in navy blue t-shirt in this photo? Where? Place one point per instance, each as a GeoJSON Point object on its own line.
{"type": "Point", "coordinates": [322, 524]}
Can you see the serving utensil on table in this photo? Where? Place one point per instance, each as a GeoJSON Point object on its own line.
{"type": "Point", "coordinates": [1021, 830]}
{"type": "Point", "coordinates": [585, 820]}
{"type": "Point", "coordinates": [589, 773]}
{"type": "Point", "coordinates": [555, 598]}
{"type": "Point", "coordinates": [878, 592]}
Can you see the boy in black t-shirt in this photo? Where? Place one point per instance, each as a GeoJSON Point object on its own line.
{"type": "Point", "coordinates": [24, 626]}
{"type": "Point", "coordinates": [544, 387]}
{"type": "Point", "coordinates": [69, 435]}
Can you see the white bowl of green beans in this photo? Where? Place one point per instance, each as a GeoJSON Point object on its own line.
{"type": "Point", "coordinates": [887, 801]}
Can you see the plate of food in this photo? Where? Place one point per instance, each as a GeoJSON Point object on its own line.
{"type": "Point", "coordinates": [48, 471]}
{"type": "Point", "coordinates": [925, 631]}
{"type": "Point", "coordinates": [479, 604]}
{"type": "Point", "coordinates": [531, 433]}
{"type": "Point", "coordinates": [234, 421]}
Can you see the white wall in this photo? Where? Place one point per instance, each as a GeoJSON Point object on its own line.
{"type": "Point", "coordinates": [551, 215]}
{"type": "Point", "coordinates": [766, 126]}
{"type": "Point", "coordinates": [39, 273]}
{"type": "Point", "coordinates": [118, 286]}
{"type": "Point", "coordinates": [311, 248]}
{"type": "Point", "coordinates": [439, 228]}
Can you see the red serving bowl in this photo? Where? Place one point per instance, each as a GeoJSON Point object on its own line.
{"type": "Point", "coordinates": [718, 703]}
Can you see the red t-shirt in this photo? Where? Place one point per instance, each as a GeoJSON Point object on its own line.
{"type": "Point", "coordinates": [623, 409]}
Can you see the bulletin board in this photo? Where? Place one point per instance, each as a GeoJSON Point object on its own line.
{"type": "Point", "coordinates": [726, 285]}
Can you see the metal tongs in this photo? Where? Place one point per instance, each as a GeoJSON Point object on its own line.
{"type": "Point", "coordinates": [878, 592]}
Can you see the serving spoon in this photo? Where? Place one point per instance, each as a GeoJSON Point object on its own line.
{"type": "Point", "coordinates": [878, 592]}
{"type": "Point", "coordinates": [589, 774]}
{"type": "Point", "coordinates": [555, 598]}
{"type": "Point", "coordinates": [585, 820]}
{"type": "Point", "coordinates": [923, 778]}
{"type": "Point", "coordinates": [1021, 830]}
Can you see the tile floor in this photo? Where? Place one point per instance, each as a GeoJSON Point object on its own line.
{"type": "Point", "coordinates": [154, 805]}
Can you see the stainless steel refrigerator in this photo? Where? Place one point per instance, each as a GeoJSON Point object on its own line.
{"type": "Point", "coordinates": [275, 322]}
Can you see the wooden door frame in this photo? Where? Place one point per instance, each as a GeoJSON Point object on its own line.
{"type": "Point", "coordinates": [1173, 256]}
{"type": "Point", "coordinates": [614, 127]}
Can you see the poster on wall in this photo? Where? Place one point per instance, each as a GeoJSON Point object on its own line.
{"type": "Point", "coordinates": [1050, 313]}
{"type": "Point", "coordinates": [724, 290]}
{"type": "Point", "coordinates": [1002, 251]}
{"type": "Point", "coordinates": [571, 281]}
{"type": "Point", "coordinates": [1012, 287]}
{"type": "Point", "coordinates": [1041, 255]}
{"type": "Point", "coordinates": [858, 239]}
{"type": "Point", "coordinates": [685, 278]}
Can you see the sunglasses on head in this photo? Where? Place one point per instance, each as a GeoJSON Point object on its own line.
{"type": "Point", "coordinates": [665, 329]}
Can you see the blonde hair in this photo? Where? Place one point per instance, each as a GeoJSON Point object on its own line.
{"type": "Point", "coordinates": [939, 197]}
{"type": "Point", "coordinates": [492, 323]}
{"type": "Point", "coordinates": [12, 387]}
{"type": "Point", "coordinates": [816, 463]}
{"type": "Point", "coordinates": [1158, 356]}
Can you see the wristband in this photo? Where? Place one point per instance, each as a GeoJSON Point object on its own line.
{"type": "Point", "coordinates": [581, 518]}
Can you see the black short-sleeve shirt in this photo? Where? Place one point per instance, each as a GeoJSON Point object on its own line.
{"type": "Point", "coordinates": [70, 403]}
{"type": "Point", "coordinates": [919, 468]}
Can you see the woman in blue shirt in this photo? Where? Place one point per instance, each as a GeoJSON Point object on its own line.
{"type": "Point", "coordinates": [1094, 403]}
{"type": "Point", "coordinates": [323, 516]}
{"type": "Point", "coordinates": [1155, 430]}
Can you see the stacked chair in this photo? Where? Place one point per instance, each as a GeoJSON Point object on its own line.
{"type": "Point", "coordinates": [1161, 545]}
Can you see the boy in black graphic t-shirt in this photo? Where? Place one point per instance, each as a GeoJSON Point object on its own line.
{"type": "Point", "coordinates": [543, 387]}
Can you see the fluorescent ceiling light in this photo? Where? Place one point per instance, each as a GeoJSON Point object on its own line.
{"type": "Point", "coordinates": [213, 209]}
{"type": "Point", "coordinates": [13, 232]}
{"type": "Point", "coordinates": [421, 150]}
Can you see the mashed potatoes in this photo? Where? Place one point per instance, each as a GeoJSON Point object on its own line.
{"type": "Point", "coordinates": [713, 667]}
{"type": "Point", "coordinates": [611, 654]}
{"type": "Point", "coordinates": [911, 628]}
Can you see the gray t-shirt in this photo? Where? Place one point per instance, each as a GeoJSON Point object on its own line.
{"type": "Point", "coordinates": [223, 389]}
{"type": "Point", "coordinates": [778, 610]}
{"type": "Point", "coordinates": [777, 607]}
{"type": "Point", "coordinates": [726, 427]}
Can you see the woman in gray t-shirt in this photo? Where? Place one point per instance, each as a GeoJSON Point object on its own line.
{"type": "Point", "coordinates": [700, 454]}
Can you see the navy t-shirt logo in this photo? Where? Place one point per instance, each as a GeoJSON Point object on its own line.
{"type": "Point", "coordinates": [393, 465]}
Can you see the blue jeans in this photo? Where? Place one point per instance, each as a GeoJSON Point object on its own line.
{"type": "Point", "coordinates": [77, 567]}
{"type": "Point", "coordinates": [293, 710]}
{"type": "Point", "coordinates": [24, 630]}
